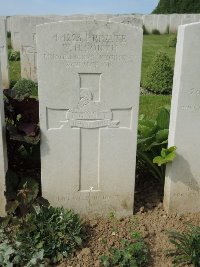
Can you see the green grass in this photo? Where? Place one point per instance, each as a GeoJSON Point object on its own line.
{"type": "Point", "coordinates": [150, 104]}
{"type": "Point", "coordinates": [151, 45]}
{"type": "Point", "coordinates": [15, 68]}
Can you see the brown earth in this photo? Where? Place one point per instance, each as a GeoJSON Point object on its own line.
{"type": "Point", "coordinates": [149, 218]}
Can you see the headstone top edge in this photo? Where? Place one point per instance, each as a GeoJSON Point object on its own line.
{"type": "Point", "coordinates": [103, 22]}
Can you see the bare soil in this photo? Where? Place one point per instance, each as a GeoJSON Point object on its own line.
{"type": "Point", "coordinates": [149, 218]}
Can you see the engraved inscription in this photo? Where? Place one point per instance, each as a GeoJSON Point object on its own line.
{"type": "Point", "coordinates": [96, 114]}
{"type": "Point", "coordinates": [86, 49]}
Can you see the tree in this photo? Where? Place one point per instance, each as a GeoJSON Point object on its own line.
{"type": "Point", "coordinates": [177, 6]}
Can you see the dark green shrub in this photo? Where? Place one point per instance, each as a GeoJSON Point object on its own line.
{"type": "Point", "coordinates": [132, 253]}
{"type": "Point", "coordinates": [177, 6]}
{"type": "Point", "coordinates": [156, 32]}
{"type": "Point", "coordinates": [56, 231]}
{"type": "Point", "coordinates": [14, 55]}
{"type": "Point", "coordinates": [172, 41]}
{"type": "Point", "coordinates": [159, 75]}
{"type": "Point", "coordinates": [9, 34]}
{"type": "Point", "coordinates": [187, 246]}
{"type": "Point", "coordinates": [43, 237]}
{"type": "Point", "coordinates": [25, 88]}
{"type": "Point", "coordinates": [145, 32]}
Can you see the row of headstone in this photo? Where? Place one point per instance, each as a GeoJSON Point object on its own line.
{"type": "Point", "coordinates": [89, 77]}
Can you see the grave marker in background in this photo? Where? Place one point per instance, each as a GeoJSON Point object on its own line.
{"type": "Point", "coordinates": [182, 186]}
{"type": "Point", "coordinates": [28, 53]}
{"type": "Point", "coordinates": [4, 55]}
{"type": "Point", "coordinates": [3, 154]}
{"type": "Point", "coordinates": [128, 20]}
{"type": "Point", "coordinates": [89, 77]}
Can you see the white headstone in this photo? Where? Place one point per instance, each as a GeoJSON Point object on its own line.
{"type": "Point", "coordinates": [28, 53]}
{"type": "Point", "coordinates": [175, 22]}
{"type": "Point", "coordinates": [15, 32]}
{"type": "Point", "coordinates": [150, 22]}
{"type": "Point", "coordinates": [128, 20]}
{"type": "Point", "coordinates": [182, 186]}
{"type": "Point", "coordinates": [3, 154]}
{"type": "Point", "coordinates": [189, 18]}
{"type": "Point", "coordinates": [4, 55]}
{"type": "Point", "coordinates": [89, 77]}
{"type": "Point", "coordinates": [9, 24]}
{"type": "Point", "coordinates": [163, 23]}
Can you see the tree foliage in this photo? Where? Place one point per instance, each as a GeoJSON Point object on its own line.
{"type": "Point", "coordinates": [177, 6]}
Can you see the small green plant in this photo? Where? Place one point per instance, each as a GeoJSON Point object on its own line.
{"type": "Point", "coordinates": [56, 231]}
{"type": "Point", "coordinates": [167, 155]}
{"type": "Point", "coordinates": [14, 55]}
{"type": "Point", "coordinates": [159, 75]}
{"type": "Point", "coordinates": [133, 253]}
{"type": "Point", "coordinates": [25, 88]}
{"type": "Point", "coordinates": [8, 34]}
{"type": "Point", "coordinates": [43, 236]}
{"type": "Point", "coordinates": [156, 32]}
{"type": "Point", "coordinates": [152, 150]}
{"type": "Point", "coordinates": [187, 246]}
{"type": "Point", "coordinates": [145, 32]}
{"type": "Point", "coordinates": [172, 41]}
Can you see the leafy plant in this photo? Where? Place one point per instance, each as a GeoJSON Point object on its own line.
{"type": "Point", "coordinates": [159, 75]}
{"type": "Point", "coordinates": [55, 231]}
{"type": "Point", "coordinates": [172, 41]}
{"type": "Point", "coordinates": [132, 253]}
{"type": "Point", "coordinates": [22, 198]}
{"type": "Point", "coordinates": [25, 88]}
{"type": "Point", "coordinates": [14, 55]}
{"type": "Point", "coordinates": [152, 143]}
{"type": "Point", "coordinates": [187, 246]}
{"type": "Point", "coordinates": [167, 155]}
{"type": "Point", "coordinates": [22, 124]}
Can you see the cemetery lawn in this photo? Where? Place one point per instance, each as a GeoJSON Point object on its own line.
{"type": "Point", "coordinates": [151, 45]}
{"type": "Point", "coordinates": [150, 104]}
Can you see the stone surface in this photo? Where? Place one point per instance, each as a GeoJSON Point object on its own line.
{"type": "Point", "coordinates": [128, 20]}
{"type": "Point", "coordinates": [3, 154]}
{"type": "Point", "coordinates": [89, 78]}
{"type": "Point", "coordinates": [4, 54]}
{"type": "Point", "coordinates": [28, 52]}
{"type": "Point", "coordinates": [15, 32]}
{"type": "Point", "coordinates": [163, 23]}
{"type": "Point", "coordinates": [182, 187]}
{"type": "Point", "coordinates": [189, 18]}
{"type": "Point", "coordinates": [175, 22]}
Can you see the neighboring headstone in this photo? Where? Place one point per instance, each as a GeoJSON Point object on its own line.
{"type": "Point", "coordinates": [15, 32]}
{"type": "Point", "coordinates": [150, 22]}
{"type": "Point", "coordinates": [103, 16]}
{"type": "Point", "coordinates": [3, 154]}
{"type": "Point", "coordinates": [189, 18]}
{"type": "Point", "coordinates": [163, 24]}
{"type": "Point", "coordinates": [128, 20]}
{"type": "Point", "coordinates": [89, 78]}
{"type": "Point", "coordinates": [4, 55]}
{"type": "Point", "coordinates": [175, 22]}
{"type": "Point", "coordinates": [9, 22]}
{"type": "Point", "coordinates": [182, 186]}
{"type": "Point", "coordinates": [28, 54]}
